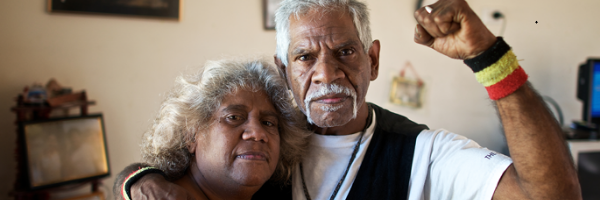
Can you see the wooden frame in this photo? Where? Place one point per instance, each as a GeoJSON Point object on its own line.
{"type": "Point", "coordinates": [168, 9]}
{"type": "Point", "coordinates": [269, 8]}
{"type": "Point", "coordinates": [65, 150]}
{"type": "Point", "coordinates": [406, 92]}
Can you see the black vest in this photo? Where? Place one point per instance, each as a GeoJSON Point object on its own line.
{"type": "Point", "coordinates": [385, 170]}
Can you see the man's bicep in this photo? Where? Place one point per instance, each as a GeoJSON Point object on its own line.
{"type": "Point", "coordinates": [509, 186]}
{"type": "Point", "coordinates": [461, 169]}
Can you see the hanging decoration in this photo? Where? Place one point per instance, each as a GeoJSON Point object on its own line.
{"type": "Point", "coordinates": [406, 91]}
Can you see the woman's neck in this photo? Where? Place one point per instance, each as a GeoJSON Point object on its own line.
{"type": "Point", "coordinates": [197, 186]}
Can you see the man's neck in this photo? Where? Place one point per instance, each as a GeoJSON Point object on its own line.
{"type": "Point", "coordinates": [355, 125]}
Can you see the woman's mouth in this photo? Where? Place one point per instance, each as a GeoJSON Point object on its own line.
{"type": "Point", "coordinates": [258, 156]}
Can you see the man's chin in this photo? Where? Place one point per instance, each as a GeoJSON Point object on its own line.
{"type": "Point", "coordinates": [331, 119]}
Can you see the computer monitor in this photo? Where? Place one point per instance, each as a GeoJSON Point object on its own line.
{"type": "Point", "coordinates": [588, 90]}
{"type": "Point", "coordinates": [586, 155]}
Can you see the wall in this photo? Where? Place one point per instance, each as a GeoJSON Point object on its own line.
{"type": "Point", "coordinates": [125, 63]}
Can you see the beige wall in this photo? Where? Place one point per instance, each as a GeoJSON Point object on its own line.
{"type": "Point", "coordinates": [125, 64]}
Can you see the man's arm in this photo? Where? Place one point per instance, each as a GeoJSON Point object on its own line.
{"type": "Point", "coordinates": [118, 185]}
{"type": "Point", "coordinates": [149, 186]}
{"type": "Point", "coordinates": [542, 168]}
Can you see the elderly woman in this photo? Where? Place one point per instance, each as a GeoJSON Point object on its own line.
{"type": "Point", "coordinates": [222, 133]}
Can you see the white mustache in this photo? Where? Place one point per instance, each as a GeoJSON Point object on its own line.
{"type": "Point", "coordinates": [329, 89]}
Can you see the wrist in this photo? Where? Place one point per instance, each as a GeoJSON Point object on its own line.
{"type": "Point", "coordinates": [134, 180]}
{"type": "Point", "coordinates": [498, 70]}
{"type": "Point", "coordinates": [484, 46]}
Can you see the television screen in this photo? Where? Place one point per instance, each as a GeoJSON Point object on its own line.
{"type": "Point", "coordinates": [65, 150]}
{"type": "Point", "coordinates": [595, 90]}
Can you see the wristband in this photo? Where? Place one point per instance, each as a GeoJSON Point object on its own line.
{"type": "Point", "coordinates": [135, 176]}
{"type": "Point", "coordinates": [498, 70]}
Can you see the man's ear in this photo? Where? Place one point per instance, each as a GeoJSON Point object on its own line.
{"type": "Point", "coordinates": [374, 56]}
{"type": "Point", "coordinates": [281, 67]}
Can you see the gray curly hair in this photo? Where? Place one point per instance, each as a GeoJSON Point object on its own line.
{"type": "Point", "coordinates": [191, 103]}
{"type": "Point", "coordinates": [358, 12]}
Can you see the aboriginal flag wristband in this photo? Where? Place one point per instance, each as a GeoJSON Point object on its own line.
{"type": "Point", "coordinates": [498, 70]}
{"type": "Point", "coordinates": [135, 176]}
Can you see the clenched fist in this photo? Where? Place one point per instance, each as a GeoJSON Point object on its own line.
{"type": "Point", "coordinates": [452, 29]}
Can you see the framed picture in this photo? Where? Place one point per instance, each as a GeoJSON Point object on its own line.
{"type": "Point", "coordinates": [169, 9]}
{"type": "Point", "coordinates": [269, 7]}
{"type": "Point", "coordinates": [65, 150]}
{"type": "Point", "coordinates": [406, 92]}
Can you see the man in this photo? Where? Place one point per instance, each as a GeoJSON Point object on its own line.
{"type": "Point", "coordinates": [361, 151]}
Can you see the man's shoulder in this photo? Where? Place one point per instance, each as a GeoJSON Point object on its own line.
{"type": "Point", "coordinates": [391, 122]}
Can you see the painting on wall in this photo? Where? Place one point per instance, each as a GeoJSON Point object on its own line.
{"type": "Point", "coordinates": [65, 150]}
{"type": "Point", "coordinates": [168, 9]}
{"type": "Point", "coordinates": [407, 91]}
{"type": "Point", "coordinates": [269, 7]}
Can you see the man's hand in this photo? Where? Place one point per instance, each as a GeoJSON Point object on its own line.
{"type": "Point", "coordinates": [150, 186]}
{"type": "Point", "coordinates": [452, 29]}
{"type": "Point", "coordinates": [155, 186]}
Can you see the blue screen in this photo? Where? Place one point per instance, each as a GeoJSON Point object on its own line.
{"type": "Point", "coordinates": [595, 101]}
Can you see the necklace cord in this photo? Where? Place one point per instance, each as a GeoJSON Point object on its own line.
{"type": "Point", "coordinates": [354, 152]}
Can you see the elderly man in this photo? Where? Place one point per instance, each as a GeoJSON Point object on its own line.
{"type": "Point", "coordinates": [361, 151]}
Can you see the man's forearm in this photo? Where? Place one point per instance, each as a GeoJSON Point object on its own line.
{"type": "Point", "coordinates": [117, 187]}
{"type": "Point", "coordinates": [544, 169]}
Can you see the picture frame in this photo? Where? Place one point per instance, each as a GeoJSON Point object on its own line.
{"type": "Point", "coordinates": [165, 9]}
{"type": "Point", "coordinates": [269, 8]}
{"type": "Point", "coordinates": [406, 92]}
{"type": "Point", "coordinates": [65, 150]}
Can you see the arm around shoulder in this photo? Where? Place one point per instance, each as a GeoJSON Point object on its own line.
{"type": "Point", "coordinates": [146, 185]}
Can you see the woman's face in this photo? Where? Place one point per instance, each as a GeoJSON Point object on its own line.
{"type": "Point", "coordinates": [241, 147]}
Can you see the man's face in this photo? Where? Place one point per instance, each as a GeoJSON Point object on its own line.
{"type": "Point", "coordinates": [328, 70]}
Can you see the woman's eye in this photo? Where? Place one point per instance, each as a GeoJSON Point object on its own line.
{"type": "Point", "coordinates": [346, 52]}
{"type": "Point", "coordinates": [268, 123]}
{"type": "Point", "coordinates": [234, 117]}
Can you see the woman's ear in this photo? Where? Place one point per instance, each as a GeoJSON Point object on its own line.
{"type": "Point", "coordinates": [192, 147]}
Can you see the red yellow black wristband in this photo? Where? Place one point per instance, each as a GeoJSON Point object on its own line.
{"type": "Point", "coordinates": [498, 70]}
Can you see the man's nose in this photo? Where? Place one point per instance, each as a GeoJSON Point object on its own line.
{"type": "Point", "coordinates": [327, 70]}
{"type": "Point", "coordinates": [255, 131]}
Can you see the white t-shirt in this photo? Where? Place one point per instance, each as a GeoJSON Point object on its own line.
{"type": "Point", "coordinates": [445, 166]}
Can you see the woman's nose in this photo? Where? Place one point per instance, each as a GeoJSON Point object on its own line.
{"type": "Point", "coordinates": [255, 131]}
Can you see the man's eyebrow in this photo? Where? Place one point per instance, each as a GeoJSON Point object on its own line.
{"type": "Point", "coordinates": [346, 44]}
{"type": "Point", "coordinates": [298, 51]}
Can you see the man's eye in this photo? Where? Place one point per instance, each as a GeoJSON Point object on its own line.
{"type": "Point", "coordinates": [303, 58]}
{"type": "Point", "coordinates": [346, 52]}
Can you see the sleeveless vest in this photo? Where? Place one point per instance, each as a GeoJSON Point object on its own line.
{"type": "Point", "coordinates": [385, 170]}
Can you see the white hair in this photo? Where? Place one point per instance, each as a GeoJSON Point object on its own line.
{"type": "Point", "coordinates": [328, 89]}
{"type": "Point", "coordinates": [358, 12]}
{"type": "Point", "coordinates": [192, 102]}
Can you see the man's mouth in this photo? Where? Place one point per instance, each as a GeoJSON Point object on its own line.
{"type": "Point", "coordinates": [331, 99]}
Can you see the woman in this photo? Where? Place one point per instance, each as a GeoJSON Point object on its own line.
{"type": "Point", "coordinates": [222, 133]}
